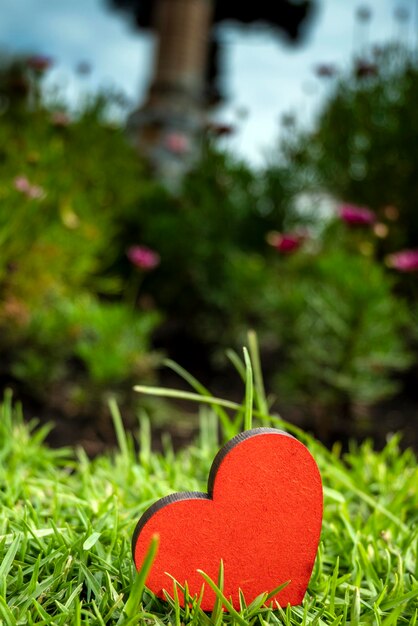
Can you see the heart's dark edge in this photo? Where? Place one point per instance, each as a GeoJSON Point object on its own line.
{"type": "Point", "coordinates": [200, 495]}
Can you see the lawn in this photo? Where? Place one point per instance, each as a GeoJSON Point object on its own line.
{"type": "Point", "coordinates": [67, 523]}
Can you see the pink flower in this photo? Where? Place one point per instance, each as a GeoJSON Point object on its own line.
{"type": "Point", "coordinates": [143, 258]}
{"type": "Point", "coordinates": [59, 118]}
{"type": "Point", "coordinates": [177, 143]}
{"type": "Point", "coordinates": [404, 261]}
{"type": "Point", "coordinates": [356, 216]}
{"type": "Point", "coordinates": [365, 69]}
{"type": "Point", "coordinates": [36, 192]}
{"type": "Point", "coordinates": [286, 243]}
{"type": "Point", "coordinates": [39, 63]}
{"type": "Point", "coordinates": [22, 184]}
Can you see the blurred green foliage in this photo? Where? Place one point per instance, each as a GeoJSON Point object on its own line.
{"type": "Point", "coordinates": [64, 184]}
{"type": "Point", "coordinates": [363, 146]}
{"type": "Point", "coordinates": [105, 341]}
{"type": "Point", "coordinates": [74, 197]}
{"type": "Point", "coordinates": [211, 236]}
{"type": "Point", "coordinates": [343, 335]}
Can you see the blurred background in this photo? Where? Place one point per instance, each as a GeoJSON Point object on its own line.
{"type": "Point", "coordinates": [177, 172]}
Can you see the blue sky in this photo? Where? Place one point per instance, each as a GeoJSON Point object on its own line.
{"type": "Point", "coordinates": [263, 76]}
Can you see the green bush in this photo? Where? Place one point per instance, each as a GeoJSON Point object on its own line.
{"type": "Point", "coordinates": [363, 147]}
{"type": "Point", "coordinates": [344, 336]}
{"type": "Point", "coordinates": [107, 341]}
{"type": "Point", "coordinates": [344, 322]}
{"type": "Point", "coordinates": [87, 177]}
{"type": "Point", "coordinates": [74, 196]}
{"type": "Point", "coordinates": [66, 182]}
{"type": "Point", "coordinates": [211, 236]}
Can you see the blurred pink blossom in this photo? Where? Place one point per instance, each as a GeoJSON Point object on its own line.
{"type": "Point", "coordinates": [59, 118]}
{"type": "Point", "coordinates": [177, 143]}
{"type": "Point", "coordinates": [39, 63]}
{"type": "Point", "coordinates": [36, 192]}
{"type": "Point", "coordinates": [365, 69]}
{"type": "Point", "coordinates": [143, 258]}
{"type": "Point", "coordinates": [404, 260]}
{"type": "Point", "coordinates": [356, 216]}
{"type": "Point", "coordinates": [22, 184]}
{"type": "Point", "coordinates": [286, 243]}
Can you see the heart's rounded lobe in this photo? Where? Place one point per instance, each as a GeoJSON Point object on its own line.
{"type": "Point", "coordinates": [262, 517]}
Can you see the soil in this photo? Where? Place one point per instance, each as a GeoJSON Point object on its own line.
{"type": "Point", "coordinates": [95, 432]}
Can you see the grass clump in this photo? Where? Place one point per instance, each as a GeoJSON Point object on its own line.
{"type": "Point", "coordinates": [67, 522]}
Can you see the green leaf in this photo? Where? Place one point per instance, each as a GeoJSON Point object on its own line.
{"type": "Point", "coordinates": [91, 540]}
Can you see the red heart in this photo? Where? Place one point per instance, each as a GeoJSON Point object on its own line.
{"type": "Point", "coordinates": [262, 516]}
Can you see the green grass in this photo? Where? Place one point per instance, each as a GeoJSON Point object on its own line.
{"type": "Point", "coordinates": [66, 525]}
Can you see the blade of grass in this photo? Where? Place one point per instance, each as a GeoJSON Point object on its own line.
{"type": "Point", "coordinates": [227, 604]}
{"type": "Point", "coordinates": [119, 428]}
{"type": "Point", "coordinates": [260, 396]}
{"type": "Point", "coordinates": [355, 608]}
{"type": "Point", "coordinates": [185, 395]}
{"type": "Point", "coordinates": [137, 590]}
{"type": "Point", "coordinates": [249, 392]}
{"type": "Point", "coordinates": [237, 363]}
{"type": "Point", "coordinates": [6, 613]}
{"type": "Point", "coordinates": [214, 401]}
{"type": "Point", "coordinates": [216, 615]}
{"type": "Point", "coordinates": [9, 558]}
{"type": "Point", "coordinates": [199, 388]}
{"type": "Point", "coordinates": [271, 594]}
{"type": "Point", "coordinates": [375, 504]}
{"type": "Point", "coordinates": [176, 605]}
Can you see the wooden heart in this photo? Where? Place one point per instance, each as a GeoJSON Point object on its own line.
{"type": "Point", "coordinates": [262, 517]}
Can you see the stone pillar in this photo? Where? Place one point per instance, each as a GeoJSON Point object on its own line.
{"type": "Point", "coordinates": [173, 113]}
{"type": "Point", "coordinates": [182, 27]}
